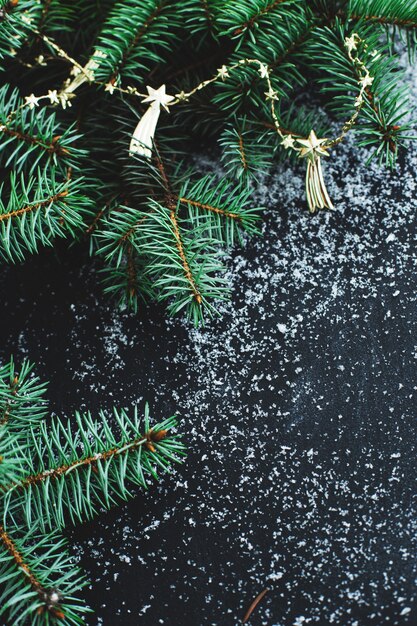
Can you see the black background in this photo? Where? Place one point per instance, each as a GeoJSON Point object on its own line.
{"type": "Point", "coordinates": [297, 406]}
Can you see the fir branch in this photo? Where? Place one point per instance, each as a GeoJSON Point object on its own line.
{"type": "Point", "coordinates": [248, 14]}
{"type": "Point", "coordinates": [225, 211]}
{"type": "Point", "coordinates": [38, 580]}
{"type": "Point", "coordinates": [213, 209]}
{"type": "Point", "coordinates": [247, 149]}
{"type": "Point", "coordinates": [135, 34]}
{"type": "Point", "coordinates": [71, 476]}
{"type": "Point", "coordinates": [128, 280]}
{"type": "Point", "coordinates": [38, 211]}
{"type": "Point", "coordinates": [381, 123]}
{"type": "Point", "coordinates": [35, 206]}
{"type": "Point", "coordinates": [17, 557]}
{"type": "Point", "coordinates": [22, 401]}
{"type": "Point", "coordinates": [385, 12]}
{"type": "Point", "coordinates": [49, 475]}
{"type": "Point", "coordinates": [11, 444]}
{"type": "Point", "coordinates": [181, 250]}
{"type": "Point", "coordinates": [34, 137]}
{"type": "Point", "coordinates": [16, 17]}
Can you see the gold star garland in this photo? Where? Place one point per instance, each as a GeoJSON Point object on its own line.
{"type": "Point", "coordinates": [310, 148]}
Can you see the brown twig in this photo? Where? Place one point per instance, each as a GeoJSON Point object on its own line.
{"type": "Point", "coordinates": [171, 201]}
{"type": "Point", "coordinates": [131, 272]}
{"type": "Point", "coordinates": [242, 152]}
{"type": "Point", "coordinates": [53, 147]}
{"type": "Point", "coordinates": [258, 15]}
{"type": "Point", "coordinates": [388, 21]}
{"type": "Point", "coordinates": [253, 606]}
{"type": "Point", "coordinates": [44, 594]}
{"type": "Point", "coordinates": [209, 207]}
{"type": "Point", "coordinates": [141, 31]}
{"type": "Point", "coordinates": [33, 207]}
{"type": "Point", "coordinates": [6, 410]}
{"type": "Point", "coordinates": [147, 440]}
{"type": "Point", "coordinates": [180, 246]}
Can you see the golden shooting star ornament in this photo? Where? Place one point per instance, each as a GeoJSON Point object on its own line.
{"type": "Point", "coordinates": [142, 138]}
{"type": "Point", "coordinates": [313, 149]}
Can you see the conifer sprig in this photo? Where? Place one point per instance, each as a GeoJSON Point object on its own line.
{"type": "Point", "coordinates": [38, 580]}
{"type": "Point", "coordinates": [38, 211]}
{"type": "Point", "coordinates": [22, 397]}
{"type": "Point", "coordinates": [53, 473]}
{"type": "Point", "coordinates": [32, 138]}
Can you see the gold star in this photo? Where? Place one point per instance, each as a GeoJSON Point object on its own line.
{"type": "Point", "coordinates": [271, 94]}
{"type": "Point", "coordinates": [31, 101]}
{"type": "Point", "coordinates": [366, 81]}
{"type": "Point", "coordinates": [159, 96]}
{"type": "Point", "coordinates": [223, 72]}
{"type": "Point", "coordinates": [312, 147]}
{"type": "Point", "coordinates": [110, 88]}
{"type": "Point", "coordinates": [263, 70]}
{"type": "Point", "coordinates": [288, 142]}
{"type": "Point", "coordinates": [351, 42]}
{"type": "Point", "coordinates": [53, 96]}
{"type": "Point", "coordinates": [181, 96]}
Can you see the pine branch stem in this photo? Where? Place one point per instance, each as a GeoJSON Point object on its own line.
{"type": "Point", "coordinates": [6, 410]}
{"type": "Point", "coordinates": [45, 11]}
{"type": "Point", "coordinates": [209, 207]}
{"type": "Point", "coordinates": [141, 31]}
{"type": "Point", "coordinates": [33, 207]}
{"type": "Point", "coordinates": [259, 15]}
{"type": "Point", "coordinates": [171, 201]}
{"type": "Point", "coordinates": [186, 266]}
{"type": "Point", "coordinates": [11, 548]}
{"type": "Point", "coordinates": [147, 440]}
{"type": "Point", "coordinates": [53, 147]}
{"type": "Point", "coordinates": [242, 154]}
{"type": "Point", "coordinates": [385, 20]}
{"type": "Point", "coordinates": [131, 272]}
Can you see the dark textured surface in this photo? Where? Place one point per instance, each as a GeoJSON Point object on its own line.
{"type": "Point", "coordinates": [297, 405]}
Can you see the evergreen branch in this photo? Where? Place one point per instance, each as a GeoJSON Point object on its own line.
{"type": "Point", "coordinates": [247, 150]}
{"type": "Point", "coordinates": [247, 14]}
{"type": "Point", "coordinates": [34, 137]}
{"type": "Point", "coordinates": [34, 207]}
{"type": "Point", "coordinates": [134, 35]}
{"type": "Point", "coordinates": [381, 123]}
{"type": "Point", "coordinates": [384, 12]}
{"type": "Point", "coordinates": [45, 10]}
{"type": "Point", "coordinates": [243, 92]}
{"type": "Point", "coordinates": [10, 456]}
{"type": "Point", "coordinates": [224, 211]}
{"type": "Point", "coordinates": [181, 260]}
{"type": "Point", "coordinates": [213, 209]}
{"type": "Point", "coordinates": [22, 401]}
{"type": "Point", "coordinates": [58, 15]}
{"type": "Point", "coordinates": [39, 587]}
{"type": "Point", "coordinates": [141, 31]}
{"type": "Point", "coordinates": [15, 19]}
{"type": "Point", "coordinates": [71, 476]}
{"type": "Point", "coordinates": [181, 250]}
{"type": "Point", "coordinates": [50, 474]}
{"type": "Point", "coordinates": [128, 279]}
{"type": "Point", "coordinates": [37, 212]}
{"type": "Point", "coordinates": [208, 13]}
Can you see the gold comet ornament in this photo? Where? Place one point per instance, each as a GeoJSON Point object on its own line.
{"type": "Point", "coordinates": [142, 138]}
{"type": "Point", "coordinates": [313, 149]}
